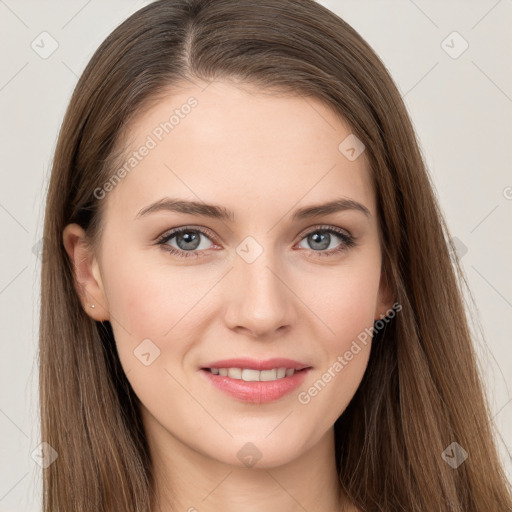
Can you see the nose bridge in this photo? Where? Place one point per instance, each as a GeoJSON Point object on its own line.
{"type": "Point", "coordinates": [261, 302]}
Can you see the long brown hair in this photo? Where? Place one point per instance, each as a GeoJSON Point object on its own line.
{"type": "Point", "coordinates": [421, 390]}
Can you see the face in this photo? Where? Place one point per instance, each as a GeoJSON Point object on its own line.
{"type": "Point", "coordinates": [260, 282]}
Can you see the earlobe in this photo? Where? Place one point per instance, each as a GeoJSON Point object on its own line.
{"type": "Point", "coordinates": [87, 276]}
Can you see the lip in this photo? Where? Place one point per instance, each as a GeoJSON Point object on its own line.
{"type": "Point", "coordinates": [256, 392]}
{"type": "Point", "coordinates": [254, 364]}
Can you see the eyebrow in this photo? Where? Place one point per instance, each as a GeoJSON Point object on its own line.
{"type": "Point", "coordinates": [222, 213]}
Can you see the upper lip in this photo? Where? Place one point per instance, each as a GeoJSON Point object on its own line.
{"type": "Point", "coordinates": [255, 364]}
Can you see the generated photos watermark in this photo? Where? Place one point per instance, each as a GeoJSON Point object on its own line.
{"type": "Point", "coordinates": [157, 135]}
{"type": "Point", "coordinates": [304, 397]}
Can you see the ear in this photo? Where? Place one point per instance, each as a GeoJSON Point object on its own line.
{"type": "Point", "coordinates": [386, 296]}
{"type": "Point", "coordinates": [88, 283]}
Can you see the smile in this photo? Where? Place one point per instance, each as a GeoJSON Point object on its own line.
{"type": "Point", "coordinates": [250, 375]}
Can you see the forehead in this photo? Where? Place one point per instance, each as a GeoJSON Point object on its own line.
{"type": "Point", "coordinates": [242, 147]}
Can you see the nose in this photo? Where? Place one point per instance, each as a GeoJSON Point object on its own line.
{"type": "Point", "coordinates": [260, 300]}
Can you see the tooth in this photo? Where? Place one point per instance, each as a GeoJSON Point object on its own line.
{"type": "Point", "coordinates": [235, 373]}
{"type": "Point", "coordinates": [266, 375]}
{"type": "Point", "coordinates": [250, 375]}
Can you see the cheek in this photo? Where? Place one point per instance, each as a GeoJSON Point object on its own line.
{"type": "Point", "coordinates": [137, 301]}
{"type": "Point", "coordinates": [348, 310]}
{"type": "Point", "coordinates": [143, 305]}
{"type": "Point", "coordinates": [147, 300]}
{"type": "Point", "coordinates": [347, 303]}
{"type": "Point", "coordinates": [155, 309]}
{"type": "Point", "coordinates": [147, 311]}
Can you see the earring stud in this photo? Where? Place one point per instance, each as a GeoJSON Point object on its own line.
{"type": "Point", "coordinates": [93, 306]}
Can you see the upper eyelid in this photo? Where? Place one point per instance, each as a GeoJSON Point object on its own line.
{"type": "Point", "coordinates": [170, 233]}
{"type": "Point", "coordinates": [326, 227]}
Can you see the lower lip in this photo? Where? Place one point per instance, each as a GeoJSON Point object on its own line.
{"type": "Point", "coordinates": [257, 392]}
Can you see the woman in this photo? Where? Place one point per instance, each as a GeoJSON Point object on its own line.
{"type": "Point", "coordinates": [248, 295]}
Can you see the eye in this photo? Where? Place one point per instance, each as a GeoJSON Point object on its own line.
{"type": "Point", "coordinates": [187, 240]}
{"type": "Point", "coordinates": [189, 244]}
{"type": "Point", "coordinates": [322, 237]}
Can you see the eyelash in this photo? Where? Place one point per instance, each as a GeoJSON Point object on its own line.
{"type": "Point", "coordinates": [348, 241]}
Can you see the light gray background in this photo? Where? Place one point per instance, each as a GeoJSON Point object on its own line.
{"type": "Point", "coordinates": [461, 108]}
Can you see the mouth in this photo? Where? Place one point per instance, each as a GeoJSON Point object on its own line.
{"type": "Point", "coordinates": [256, 381]}
{"type": "Point", "coordinates": [254, 370]}
{"type": "Point", "coordinates": [251, 375]}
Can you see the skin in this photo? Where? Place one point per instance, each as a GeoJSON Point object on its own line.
{"type": "Point", "coordinates": [261, 156]}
